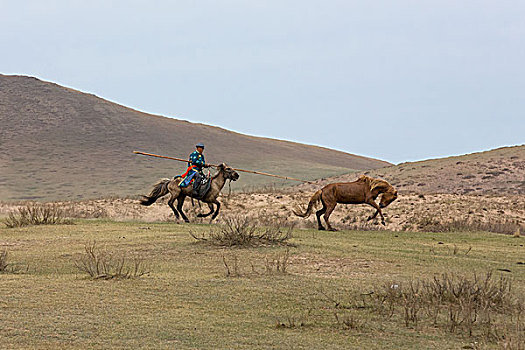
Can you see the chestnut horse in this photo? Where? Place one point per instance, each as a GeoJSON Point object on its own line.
{"type": "Point", "coordinates": [165, 186]}
{"type": "Point", "coordinates": [362, 191]}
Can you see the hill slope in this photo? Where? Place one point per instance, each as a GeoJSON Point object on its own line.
{"type": "Point", "coordinates": [500, 171]}
{"type": "Point", "coordinates": [64, 144]}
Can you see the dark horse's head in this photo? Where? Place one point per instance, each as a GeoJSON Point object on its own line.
{"type": "Point", "coordinates": [229, 173]}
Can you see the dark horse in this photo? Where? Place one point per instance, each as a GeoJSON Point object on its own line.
{"type": "Point", "coordinates": [165, 186]}
{"type": "Point", "coordinates": [362, 191]}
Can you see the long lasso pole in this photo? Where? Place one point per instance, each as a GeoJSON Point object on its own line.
{"type": "Point", "coordinates": [213, 165]}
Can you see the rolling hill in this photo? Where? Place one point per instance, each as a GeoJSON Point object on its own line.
{"type": "Point", "coordinates": [59, 143]}
{"type": "Point", "coordinates": [497, 172]}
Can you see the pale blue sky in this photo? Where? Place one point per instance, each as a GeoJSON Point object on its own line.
{"type": "Point", "coordinates": [395, 80]}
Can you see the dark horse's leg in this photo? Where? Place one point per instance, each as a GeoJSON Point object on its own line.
{"type": "Point", "coordinates": [329, 209]}
{"type": "Point", "coordinates": [218, 204]}
{"type": "Point", "coordinates": [210, 205]}
{"type": "Point", "coordinates": [378, 210]}
{"type": "Point", "coordinates": [170, 203]}
{"type": "Point", "coordinates": [180, 202]}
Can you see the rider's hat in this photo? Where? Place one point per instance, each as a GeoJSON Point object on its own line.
{"type": "Point", "coordinates": [200, 144]}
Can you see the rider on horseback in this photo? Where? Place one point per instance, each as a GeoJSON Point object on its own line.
{"type": "Point", "coordinates": [195, 164]}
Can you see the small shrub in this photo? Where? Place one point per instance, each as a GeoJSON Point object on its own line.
{"type": "Point", "coordinates": [349, 321]}
{"type": "Point", "coordinates": [278, 264]}
{"type": "Point", "coordinates": [246, 231]}
{"type": "Point", "coordinates": [347, 313]}
{"type": "Point", "coordinates": [37, 214]}
{"type": "Point", "coordinates": [480, 306]}
{"type": "Point", "coordinates": [232, 268]}
{"type": "Point", "coordinates": [99, 263]}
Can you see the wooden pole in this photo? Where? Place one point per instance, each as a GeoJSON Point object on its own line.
{"type": "Point", "coordinates": [166, 157]}
{"type": "Point", "coordinates": [213, 165]}
{"type": "Point", "coordinates": [266, 174]}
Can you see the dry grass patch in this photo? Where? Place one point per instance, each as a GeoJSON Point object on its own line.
{"type": "Point", "coordinates": [101, 263]}
{"type": "Point", "coordinates": [244, 231]}
{"type": "Point", "coordinates": [9, 267]}
{"type": "Point", "coordinates": [37, 214]}
{"type": "Point", "coordinates": [291, 322]}
{"type": "Point", "coordinates": [3, 260]}
{"type": "Point", "coordinates": [435, 224]}
{"type": "Point", "coordinates": [481, 306]}
{"type": "Point", "coordinates": [276, 264]}
{"type": "Point", "coordinates": [191, 302]}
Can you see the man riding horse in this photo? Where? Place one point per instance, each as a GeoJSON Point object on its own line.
{"type": "Point", "coordinates": [196, 163]}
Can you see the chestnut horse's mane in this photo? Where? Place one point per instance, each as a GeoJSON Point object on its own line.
{"type": "Point", "coordinates": [375, 183]}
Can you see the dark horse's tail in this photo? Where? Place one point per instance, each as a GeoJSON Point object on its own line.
{"type": "Point", "coordinates": [159, 189]}
{"type": "Point", "coordinates": [313, 201]}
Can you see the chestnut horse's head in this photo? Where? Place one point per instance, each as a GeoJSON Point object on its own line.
{"type": "Point", "coordinates": [229, 173]}
{"type": "Point", "coordinates": [378, 186]}
{"type": "Point", "coordinates": [388, 197]}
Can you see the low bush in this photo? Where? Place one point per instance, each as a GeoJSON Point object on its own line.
{"type": "Point", "coordinates": [37, 214]}
{"type": "Point", "coordinates": [483, 307]}
{"type": "Point", "coordinates": [100, 263]}
{"type": "Point", "coordinates": [245, 231]}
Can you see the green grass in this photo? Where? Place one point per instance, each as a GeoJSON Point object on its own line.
{"type": "Point", "coordinates": [188, 302]}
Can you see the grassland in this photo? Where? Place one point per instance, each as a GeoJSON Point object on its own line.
{"type": "Point", "coordinates": [187, 300]}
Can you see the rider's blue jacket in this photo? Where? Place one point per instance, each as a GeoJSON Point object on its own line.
{"type": "Point", "coordinates": [197, 159]}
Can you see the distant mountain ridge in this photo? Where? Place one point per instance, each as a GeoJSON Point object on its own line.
{"type": "Point", "coordinates": [59, 143]}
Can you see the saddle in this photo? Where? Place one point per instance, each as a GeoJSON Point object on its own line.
{"type": "Point", "coordinates": [201, 186]}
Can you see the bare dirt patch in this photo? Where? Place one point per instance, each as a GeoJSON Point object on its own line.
{"type": "Point", "coordinates": [332, 267]}
{"type": "Point", "coordinates": [410, 212]}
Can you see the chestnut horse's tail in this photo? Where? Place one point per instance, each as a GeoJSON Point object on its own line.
{"type": "Point", "coordinates": [313, 201]}
{"type": "Point", "coordinates": [159, 189]}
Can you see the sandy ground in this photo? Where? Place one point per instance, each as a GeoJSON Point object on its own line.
{"type": "Point", "coordinates": [409, 212]}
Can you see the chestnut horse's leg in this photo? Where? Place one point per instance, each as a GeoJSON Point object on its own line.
{"type": "Point", "coordinates": [180, 202]}
{"type": "Point", "coordinates": [170, 203]}
{"type": "Point", "coordinates": [210, 205]}
{"type": "Point", "coordinates": [371, 217]}
{"type": "Point", "coordinates": [318, 214]}
{"type": "Point", "coordinates": [329, 209]}
{"type": "Point", "coordinates": [378, 210]}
